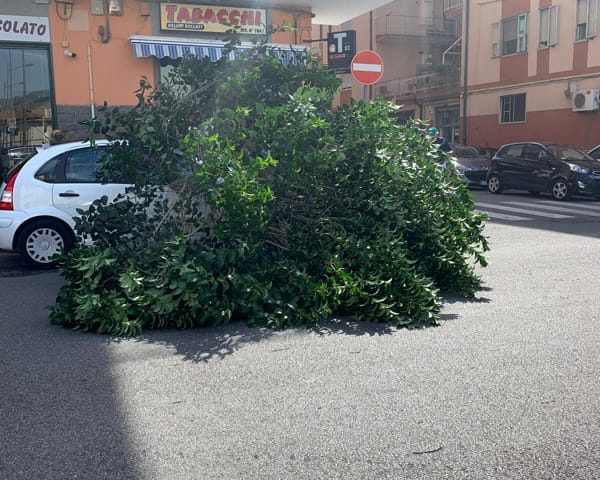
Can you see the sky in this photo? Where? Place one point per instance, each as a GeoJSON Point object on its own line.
{"type": "Point", "coordinates": [335, 12]}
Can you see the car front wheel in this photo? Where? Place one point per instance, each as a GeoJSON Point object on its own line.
{"type": "Point", "coordinates": [561, 189]}
{"type": "Point", "coordinates": [42, 240]}
{"type": "Point", "coordinates": [494, 184]}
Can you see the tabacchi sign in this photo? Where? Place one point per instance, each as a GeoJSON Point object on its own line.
{"type": "Point", "coordinates": [24, 29]}
{"type": "Point", "coordinates": [211, 18]}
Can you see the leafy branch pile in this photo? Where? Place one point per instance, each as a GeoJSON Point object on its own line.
{"type": "Point", "coordinates": [272, 208]}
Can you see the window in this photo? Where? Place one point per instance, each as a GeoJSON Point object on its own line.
{"type": "Point", "coordinates": [587, 19]}
{"type": "Point", "coordinates": [512, 108]}
{"type": "Point", "coordinates": [548, 27]}
{"type": "Point", "coordinates": [25, 94]}
{"type": "Point", "coordinates": [533, 152]}
{"type": "Point", "coordinates": [81, 166]}
{"type": "Point", "coordinates": [49, 171]}
{"type": "Point", "coordinates": [514, 35]}
{"type": "Point", "coordinates": [514, 151]}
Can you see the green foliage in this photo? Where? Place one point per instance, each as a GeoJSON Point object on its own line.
{"type": "Point", "coordinates": [274, 209]}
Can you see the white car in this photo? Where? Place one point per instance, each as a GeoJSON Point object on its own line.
{"type": "Point", "coordinates": [40, 198]}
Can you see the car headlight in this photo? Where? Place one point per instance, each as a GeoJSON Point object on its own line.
{"type": "Point", "coordinates": [459, 166]}
{"type": "Point", "coordinates": [578, 169]}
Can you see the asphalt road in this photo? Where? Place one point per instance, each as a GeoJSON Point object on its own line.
{"type": "Point", "coordinates": [506, 388]}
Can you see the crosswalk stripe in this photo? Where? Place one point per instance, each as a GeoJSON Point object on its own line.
{"type": "Point", "coordinates": [522, 210]}
{"type": "Point", "coordinates": [579, 205]}
{"type": "Point", "coordinates": [504, 216]}
{"type": "Point", "coordinates": [556, 208]}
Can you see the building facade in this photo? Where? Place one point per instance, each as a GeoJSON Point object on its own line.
{"type": "Point", "coordinates": [27, 101]}
{"type": "Point", "coordinates": [533, 72]}
{"type": "Point", "coordinates": [59, 59]}
{"type": "Point", "coordinates": [420, 44]}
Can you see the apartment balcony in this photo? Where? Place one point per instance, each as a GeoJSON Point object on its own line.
{"type": "Point", "coordinates": [390, 28]}
{"type": "Point", "coordinates": [441, 80]}
{"type": "Point", "coordinates": [453, 8]}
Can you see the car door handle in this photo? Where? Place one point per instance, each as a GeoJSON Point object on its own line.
{"type": "Point", "coordinates": [68, 194]}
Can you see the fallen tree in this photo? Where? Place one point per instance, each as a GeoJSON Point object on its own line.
{"type": "Point", "coordinates": [279, 210]}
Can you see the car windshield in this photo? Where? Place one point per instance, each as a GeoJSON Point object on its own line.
{"type": "Point", "coordinates": [569, 153]}
{"type": "Point", "coordinates": [466, 152]}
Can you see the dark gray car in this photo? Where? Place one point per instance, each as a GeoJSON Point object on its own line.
{"type": "Point", "coordinates": [560, 170]}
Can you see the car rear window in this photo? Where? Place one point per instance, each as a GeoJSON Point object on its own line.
{"type": "Point", "coordinates": [49, 171]}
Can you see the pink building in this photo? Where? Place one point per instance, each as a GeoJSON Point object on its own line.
{"type": "Point", "coordinates": [420, 43]}
{"type": "Point", "coordinates": [533, 72]}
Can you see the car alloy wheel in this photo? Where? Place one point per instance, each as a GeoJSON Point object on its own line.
{"type": "Point", "coordinates": [494, 184]}
{"type": "Point", "coordinates": [560, 190]}
{"type": "Point", "coordinates": [41, 241]}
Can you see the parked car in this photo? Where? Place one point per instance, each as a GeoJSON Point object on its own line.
{"type": "Point", "coordinates": [560, 170]}
{"type": "Point", "coordinates": [471, 164]}
{"type": "Point", "coordinates": [40, 198]}
{"type": "Point", "coordinates": [595, 152]}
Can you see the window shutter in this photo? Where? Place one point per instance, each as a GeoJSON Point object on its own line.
{"type": "Point", "coordinates": [592, 18]}
{"type": "Point", "coordinates": [544, 37]}
{"type": "Point", "coordinates": [496, 39]}
{"type": "Point", "coordinates": [553, 20]}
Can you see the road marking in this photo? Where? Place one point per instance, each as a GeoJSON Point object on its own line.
{"type": "Point", "coordinates": [558, 209]}
{"type": "Point", "coordinates": [579, 205]}
{"type": "Point", "coordinates": [522, 210]}
{"type": "Point", "coordinates": [503, 216]}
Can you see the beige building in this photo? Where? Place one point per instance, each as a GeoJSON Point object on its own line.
{"type": "Point", "coordinates": [533, 72]}
{"type": "Point", "coordinates": [420, 43]}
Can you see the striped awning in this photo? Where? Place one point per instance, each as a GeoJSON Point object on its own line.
{"type": "Point", "coordinates": [161, 47]}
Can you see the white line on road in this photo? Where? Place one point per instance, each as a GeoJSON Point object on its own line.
{"type": "Point", "coordinates": [366, 67]}
{"type": "Point", "coordinates": [579, 205]}
{"type": "Point", "coordinates": [557, 209]}
{"type": "Point", "coordinates": [503, 216]}
{"type": "Point", "coordinates": [522, 210]}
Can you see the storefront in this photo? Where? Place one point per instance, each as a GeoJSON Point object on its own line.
{"type": "Point", "coordinates": [26, 83]}
{"type": "Point", "coordinates": [181, 29]}
{"type": "Point", "coordinates": [100, 54]}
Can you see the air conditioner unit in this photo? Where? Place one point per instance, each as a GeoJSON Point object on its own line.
{"type": "Point", "coordinates": [586, 100]}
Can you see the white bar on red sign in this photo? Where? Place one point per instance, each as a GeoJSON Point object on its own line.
{"type": "Point", "coordinates": [367, 67]}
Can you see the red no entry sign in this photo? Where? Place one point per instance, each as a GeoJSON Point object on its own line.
{"type": "Point", "coordinates": [367, 67]}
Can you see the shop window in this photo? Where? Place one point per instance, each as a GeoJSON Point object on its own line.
{"type": "Point", "coordinates": [548, 27]}
{"type": "Point", "coordinates": [512, 108]}
{"type": "Point", "coordinates": [25, 96]}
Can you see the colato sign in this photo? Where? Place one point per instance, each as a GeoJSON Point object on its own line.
{"type": "Point", "coordinates": [24, 29]}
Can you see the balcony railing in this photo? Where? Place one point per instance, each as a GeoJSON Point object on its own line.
{"type": "Point", "coordinates": [442, 76]}
{"type": "Point", "coordinates": [450, 5]}
{"type": "Point", "coordinates": [453, 8]}
{"type": "Point", "coordinates": [403, 25]}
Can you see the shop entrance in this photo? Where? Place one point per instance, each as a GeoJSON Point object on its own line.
{"type": "Point", "coordinates": [25, 96]}
{"type": "Point", "coordinates": [447, 120]}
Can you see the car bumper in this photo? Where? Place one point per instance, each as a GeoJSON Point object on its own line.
{"type": "Point", "coordinates": [10, 222]}
{"type": "Point", "coordinates": [589, 185]}
{"type": "Point", "coordinates": [476, 177]}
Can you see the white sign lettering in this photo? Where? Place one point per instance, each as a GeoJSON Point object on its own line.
{"type": "Point", "coordinates": [24, 29]}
